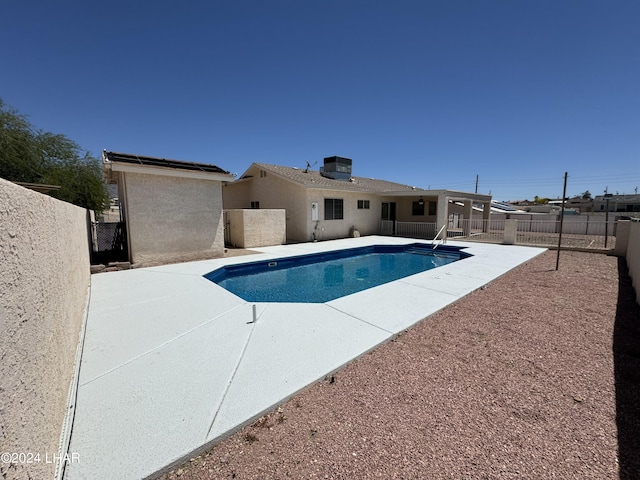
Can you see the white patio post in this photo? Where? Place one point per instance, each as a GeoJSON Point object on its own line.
{"type": "Point", "coordinates": [467, 214]}
{"type": "Point", "coordinates": [486, 213]}
{"type": "Point", "coordinates": [442, 214]}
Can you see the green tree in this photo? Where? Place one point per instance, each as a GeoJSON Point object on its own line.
{"type": "Point", "coordinates": [586, 195]}
{"type": "Point", "coordinates": [18, 153]}
{"type": "Point", "coordinates": [32, 156]}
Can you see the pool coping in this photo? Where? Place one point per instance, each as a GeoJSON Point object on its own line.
{"type": "Point", "coordinates": [173, 363]}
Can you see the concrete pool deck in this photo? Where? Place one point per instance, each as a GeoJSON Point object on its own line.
{"type": "Point", "coordinates": [172, 363]}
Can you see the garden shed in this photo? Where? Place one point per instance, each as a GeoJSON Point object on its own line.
{"type": "Point", "coordinates": [172, 209]}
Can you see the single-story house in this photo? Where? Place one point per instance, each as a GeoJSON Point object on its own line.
{"type": "Point", "coordinates": [617, 203]}
{"type": "Point", "coordinates": [172, 209]}
{"type": "Point", "coordinates": [333, 203]}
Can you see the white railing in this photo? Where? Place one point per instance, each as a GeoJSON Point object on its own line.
{"type": "Point", "coordinates": [386, 227]}
{"type": "Point", "coordinates": [442, 240]}
{"type": "Point", "coordinates": [577, 232]}
{"type": "Point", "coordinates": [478, 230]}
{"type": "Point", "coordinates": [424, 230]}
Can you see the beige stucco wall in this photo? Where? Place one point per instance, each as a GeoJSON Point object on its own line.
{"type": "Point", "coordinates": [633, 256]}
{"type": "Point", "coordinates": [172, 219]}
{"type": "Point", "coordinates": [250, 228]}
{"type": "Point", "coordinates": [44, 280]}
{"type": "Point", "coordinates": [366, 221]}
{"type": "Point", "coordinates": [622, 229]}
{"type": "Point", "coordinates": [404, 209]}
{"type": "Point", "coordinates": [272, 192]}
{"type": "Point", "coordinates": [236, 195]}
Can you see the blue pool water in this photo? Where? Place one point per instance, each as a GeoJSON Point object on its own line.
{"type": "Point", "coordinates": [318, 278]}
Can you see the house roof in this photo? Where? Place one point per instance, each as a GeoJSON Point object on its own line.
{"type": "Point", "coordinates": [313, 179]}
{"type": "Point", "coordinates": [161, 162]}
{"type": "Point", "coordinates": [126, 162]}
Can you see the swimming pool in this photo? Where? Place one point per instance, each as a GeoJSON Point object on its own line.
{"type": "Point", "coordinates": [321, 277]}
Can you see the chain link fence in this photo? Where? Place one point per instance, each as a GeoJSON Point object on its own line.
{"type": "Point", "coordinates": [109, 241]}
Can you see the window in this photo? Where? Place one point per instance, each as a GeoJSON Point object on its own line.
{"type": "Point", "coordinates": [417, 209]}
{"type": "Point", "coordinates": [333, 209]}
{"type": "Point", "coordinates": [263, 173]}
{"type": "Point", "coordinates": [255, 204]}
{"type": "Point", "coordinates": [363, 204]}
{"type": "Point", "coordinates": [432, 208]}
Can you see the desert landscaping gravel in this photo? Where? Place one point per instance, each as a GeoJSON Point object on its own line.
{"type": "Point", "coordinates": [535, 376]}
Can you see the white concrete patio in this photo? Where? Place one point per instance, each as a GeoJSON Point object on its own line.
{"type": "Point", "coordinates": [172, 365]}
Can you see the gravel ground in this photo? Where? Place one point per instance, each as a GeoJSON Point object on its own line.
{"type": "Point", "coordinates": [535, 376]}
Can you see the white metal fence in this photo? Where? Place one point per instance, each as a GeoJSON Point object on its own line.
{"type": "Point", "coordinates": [426, 230]}
{"type": "Point", "coordinates": [386, 227]}
{"type": "Point", "coordinates": [478, 230]}
{"type": "Point", "coordinates": [577, 232]}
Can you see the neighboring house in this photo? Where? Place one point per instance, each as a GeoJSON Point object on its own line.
{"type": "Point", "coordinates": [617, 203]}
{"type": "Point", "coordinates": [580, 205]}
{"type": "Point", "coordinates": [498, 211]}
{"type": "Point", "coordinates": [172, 209]}
{"type": "Point", "coordinates": [332, 203]}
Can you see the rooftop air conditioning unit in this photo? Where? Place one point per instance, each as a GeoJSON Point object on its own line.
{"type": "Point", "coordinates": [337, 168]}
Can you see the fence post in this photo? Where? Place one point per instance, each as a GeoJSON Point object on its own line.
{"type": "Point", "coordinates": [586, 229]}
{"type": "Point", "coordinates": [510, 231]}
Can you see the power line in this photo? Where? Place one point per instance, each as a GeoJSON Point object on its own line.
{"type": "Point", "coordinates": [539, 182]}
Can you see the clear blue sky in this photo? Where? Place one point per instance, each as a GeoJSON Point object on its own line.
{"type": "Point", "coordinates": [427, 93]}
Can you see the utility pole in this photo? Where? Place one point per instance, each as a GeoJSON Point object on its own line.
{"type": "Point", "coordinates": [476, 183]}
{"type": "Point", "coordinates": [564, 195]}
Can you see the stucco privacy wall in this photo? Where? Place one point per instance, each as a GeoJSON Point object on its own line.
{"type": "Point", "coordinates": [256, 228]}
{"type": "Point", "coordinates": [633, 257]}
{"type": "Point", "coordinates": [274, 193]}
{"type": "Point", "coordinates": [44, 280]}
{"type": "Point", "coordinates": [173, 219]}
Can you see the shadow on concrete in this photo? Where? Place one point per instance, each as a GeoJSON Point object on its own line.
{"type": "Point", "coordinates": [626, 355]}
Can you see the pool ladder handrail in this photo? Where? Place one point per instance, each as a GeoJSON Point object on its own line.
{"type": "Point", "coordinates": [437, 235]}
